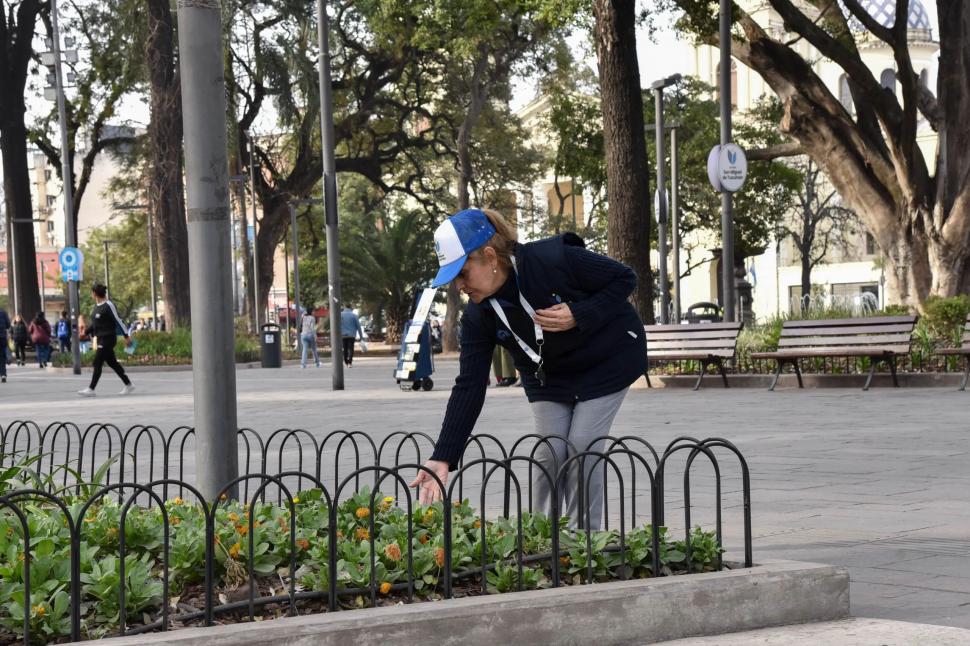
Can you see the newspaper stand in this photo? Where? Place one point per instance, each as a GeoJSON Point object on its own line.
{"type": "Point", "coordinates": [415, 361]}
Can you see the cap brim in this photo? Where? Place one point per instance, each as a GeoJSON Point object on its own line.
{"type": "Point", "coordinates": [448, 272]}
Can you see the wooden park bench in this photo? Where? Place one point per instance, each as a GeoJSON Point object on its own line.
{"type": "Point", "coordinates": [881, 339]}
{"type": "Point", "coordinates": [711, 344]}
{"type": "Point", "coordinates": [963, 350]}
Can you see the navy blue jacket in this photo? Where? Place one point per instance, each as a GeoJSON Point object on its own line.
{"type": "Point", "coordinates": [602, 355]}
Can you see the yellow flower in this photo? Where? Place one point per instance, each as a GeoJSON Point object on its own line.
{"type": "Point", "coordinates": [178, 501]}
{"type": "Point", "coordinates": [429, 516]}
{"type": "Point", "coordinates": [439, 557]}
{"type": "Point", "coordinates": [234, 550]}
{"type": "Point", "coordinates": [40, 611]}
{"type": "Point", "coordinates": [112, 531]}
{"type": "Point", "coordinates": [176, 521]}
{"type": "Point", "coordinates": [296, 500]}
{"type": "Point", "coordinates": [362, 534]}
{"type": "Point", "coordinates": [223, 497]}
{"type": "Point", "coordinates": [389, 499]}
{"type": "Point", "coordinates": [385, 587]}
{"type": "Point", "coordinates": [393, 552]}
{"type": "Point", "coordinates": [233, 517]}
{"type": "Point", "coordinates": [387, 502]}
{"type": "Point", "coordinates": [362, 512]}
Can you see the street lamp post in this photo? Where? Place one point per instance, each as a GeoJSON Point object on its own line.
{"type": "Point", "coordinates": [658, 91]}
{"type": "Point", "coordinates": [70, 233]}
{"type": "Point", "coordinates": [675, 219]}
{"type": "Point", "coordinates": [107, 271]}
{"type": "Point", "coordinates": [727, 216]}
{"type": "Point", "coordinates": [330, 195]}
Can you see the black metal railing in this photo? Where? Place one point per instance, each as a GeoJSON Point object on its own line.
{"type": "Point", "coordinates": [101, 496]}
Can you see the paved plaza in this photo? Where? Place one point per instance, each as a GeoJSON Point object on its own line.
{"type": "Point", "coordinates": [876, 481]}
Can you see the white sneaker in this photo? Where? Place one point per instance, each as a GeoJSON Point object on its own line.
{"type": "Point", "coordinates": [87, 392]}
{"type": "Point", "coordinates": [127, 390]}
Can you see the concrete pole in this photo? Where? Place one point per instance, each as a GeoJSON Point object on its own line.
{"type": "Point", "coordinates": [67, 174]}
{"type": "Point", "coordinates": [675, 220]}
{"type": "Point", "coordinates": [151, 268]}
{"type": "Point", "coordinates": [207, 208]}
{"type": "Point", "coordinates": [661, 163]}
{"type": "Point", "coordinates": [330, 196]}
{"type": "Point", "coordinates": [727, 217]}
{"type": "Point", "coordinates": [286, 274]}
{"type": "Point", "coordinates": [43, 291]}
{"type": "Point", "coordinates": [296, 275]}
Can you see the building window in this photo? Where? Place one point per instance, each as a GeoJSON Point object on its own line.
{"type": "Point", "coordinates": [845, 94]}
{"type": "Point", "coordinates": [47, 175]}
{"type": "Point", "coordinates": [51, 200]}
{"type": "Point", "coordinates": [871, 248]}
{"type": "Point", "coordinates": [888, 80]}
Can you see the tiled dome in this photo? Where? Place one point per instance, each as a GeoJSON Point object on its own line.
{"type": "Point", "coordinates": [885, 12]}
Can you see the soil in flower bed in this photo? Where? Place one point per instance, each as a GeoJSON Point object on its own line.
{"type": "Point", "coordinates": [363, 521]}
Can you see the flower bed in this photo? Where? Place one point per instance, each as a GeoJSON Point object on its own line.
{"type": "Point", "coordinates": [271, 554]}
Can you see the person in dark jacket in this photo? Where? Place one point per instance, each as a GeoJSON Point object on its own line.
{"type": "Point", "coordinates": [20, 337]}
{"type": "Point", "coordinates": [578, 344]}
{"type": "Point", "coordinates": [40, 336]}
{"type": "Point", "coordinates": [106, 326]}
{"type": "Point", "coordinates": [4, 331]}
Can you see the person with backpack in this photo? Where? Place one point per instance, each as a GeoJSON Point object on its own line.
{"type": "Point", "coordinates": [63, 330]}
{"type": "Point", "coordinates": [577, 342]}
{"type": "Point", "coordinates": [308, 336]}
{"type": "Point", "coordinates": [107, 326]}
{"type": "Point", "coordinates": [4, 331]}
{"type": "Point", "coordinates": [20, 336]}
{"type": "Point", "coordinates": [40, 335]}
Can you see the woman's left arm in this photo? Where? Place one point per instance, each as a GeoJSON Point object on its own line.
{"type": "Point", "coordinates": [610, 283]}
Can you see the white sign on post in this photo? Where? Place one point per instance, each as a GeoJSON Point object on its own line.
{"type": "Point", "coordinates": [727, 168]}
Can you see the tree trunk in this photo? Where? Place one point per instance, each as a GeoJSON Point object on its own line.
{"type": "Point", "coordinates": [16, 39]}
{"type": "Point", "coordinates": [16, 186]}
{"type": "Point", "coordinates": [273, 230]}
{"type": "Point", "coordinates": [166, 195]}
{"type": "Point", "coordinates": [479, 93]}
{"type": "Point", "coordinates": [628, 190]}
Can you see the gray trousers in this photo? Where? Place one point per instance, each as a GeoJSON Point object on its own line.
{"type": "Point", "coordinates": [580, 423]}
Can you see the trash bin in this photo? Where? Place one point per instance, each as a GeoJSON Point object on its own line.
{"type": "Point", "coordinates": [704, 313]}
{"type": "Point", "coordinates": [270, 348]}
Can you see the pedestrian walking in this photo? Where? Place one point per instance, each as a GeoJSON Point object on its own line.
{"type": "Point", "coordinates": [308, 336]}
{"type": "Point", "coordinates": [63, 330]}
{"type": "Point", "coordinates": [40, 336]}
{"type": "Point", "coordinates": [106, 326]}
{"type": "Point", "coordinates": [350, 330]}
{"type": "Point", "coordinates": [83, 334]}
{"type": "Point", "coordinates": [4, 334]}
{"type": "Point", "coordinates": [20, 336]}
{"type": "Point", "coordinates": [562, 311]}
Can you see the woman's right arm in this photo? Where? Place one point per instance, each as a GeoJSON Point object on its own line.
{"type": "Point", "coordinates": [464, 405]}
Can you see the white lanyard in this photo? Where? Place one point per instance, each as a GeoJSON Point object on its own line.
{"type": "Point", "coordinates": [532, 354]}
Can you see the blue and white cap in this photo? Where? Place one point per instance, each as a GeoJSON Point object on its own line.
{"type": "Point", "coordinates": [455, 238]}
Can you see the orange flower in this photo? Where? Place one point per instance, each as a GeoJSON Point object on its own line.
{"type": "Point", "coordinates": [478, 523]}
{"type": "Point", "coordinates": [393, 552]}
{"type": "Point", "coordinates": [242, 529]}
{"type": "Point", "coordinates": [340, 534]}
{"type": "Point", "coordinates": [362, 534]}
{"type": "Point", "coordinates": [112, 531]}
{"type": "Point", "coordinates": [40, 610]}
{"type": "Point", "coordinates": [423, 539]}
{"type": "Point", "coordinates": [176, 521]}
{"type": "Point", "coordinates": [439, 557]}
{"type": "Point", "coordinates": [303, 544]}
{"type": "Point", "coordinates": [178, 501]}
{"type": "Point", "coordinates": [564, 560]}
{"type": "Point", "coordinates": [223, 497]}
{"type": "Point", "coordinates": [362, 512]}
{"type": "Point", "coordinates": [233, 517]}
{"type": "Point", "coordinates": [385, 587]}
{"type": "Point", "coordinates": [234, 550]}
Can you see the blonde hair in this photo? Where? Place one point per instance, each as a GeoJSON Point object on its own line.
{"type": "Point", "coordinates": [503, 241]}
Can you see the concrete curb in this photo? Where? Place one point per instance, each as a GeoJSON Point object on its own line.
{"type": "Point", "coordinates": [628, 612]}
{"type": "Point", "coordinates": [789, 381]}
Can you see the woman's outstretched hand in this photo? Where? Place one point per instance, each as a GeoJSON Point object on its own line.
{"type": "Point", "coordinates": [430, 491]}
{"type": "Point", "coordinates": [557, 318]}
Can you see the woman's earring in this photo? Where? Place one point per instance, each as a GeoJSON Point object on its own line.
{"type": "Point", "coordinates": [494, 270]}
